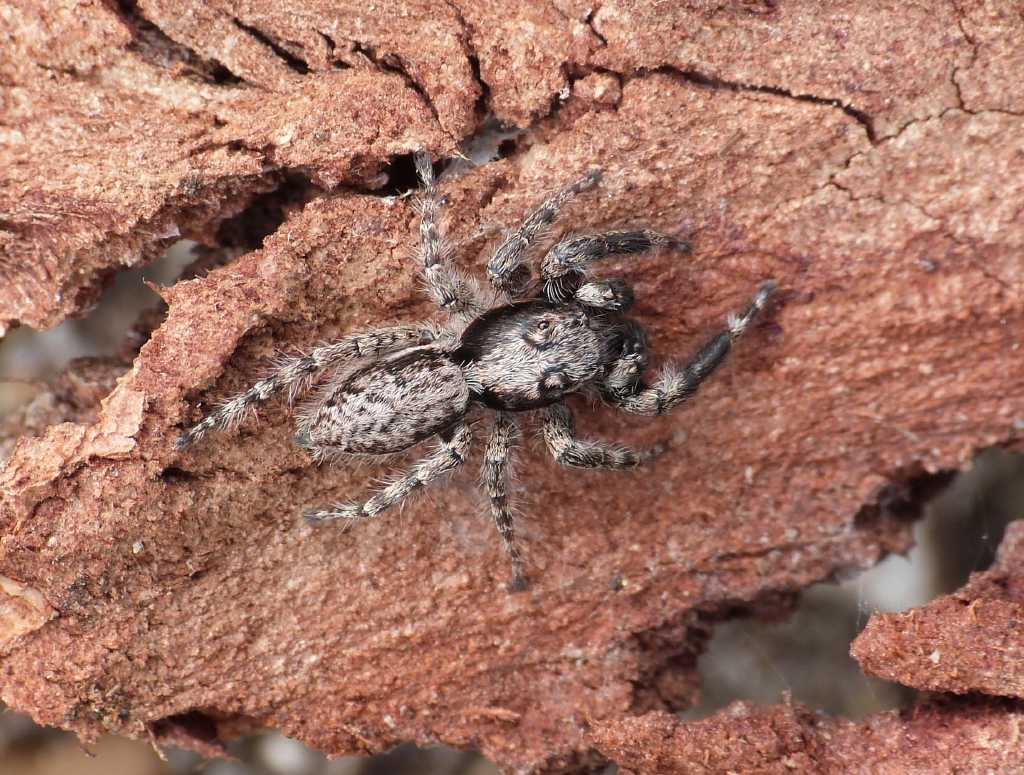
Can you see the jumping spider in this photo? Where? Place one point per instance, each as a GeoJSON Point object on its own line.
{"type": "Point", "coordinates": [517, 349]}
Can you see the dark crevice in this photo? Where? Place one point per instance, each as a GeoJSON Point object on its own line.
{"type": "Point", "coordinates": [392, 63]}
{"type": "Point", "coordinates": [401, 177]}
{"type": "Point", "coordinates": [701, 79]}
{"type": "Point", "coordinates": [589, 21]}
{"type": "Point", "coordinates": [220, 75]}
{"type": "Point", "coordinates": [507, 147]}
{"type": "Point", "coordinates": [336, 62]}
{"type": "Point", "coordinates": [956, 88]}
{"type": "Point", "coordinates": [483, 102]}
{"type": "Point", "coordinates": [560, 97]}
{"type": "Point", "coordinates": [175, 475]}
{"type": "Point", "coordinates": [958, 13]}
{"type": "Point", "coordinates": [266, 212]}
{"type": "Point", "coordinates": [156, 47]}
{"type": "Point", "coordinates": [206, 732]}
{"type": "Point", "coordinates": [297, 64]}
{"type": "Point", "coordinates": [902, 501]}
{"type": "Point", "coordinates": [482, 108]}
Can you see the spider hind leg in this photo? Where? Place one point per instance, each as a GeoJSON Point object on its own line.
{"type": "Point", "coordinates": [495, 479]}
{"type": "Point", "coordinates": [448, 456]}
{"type": "Point", "coordinates": [294, 374]}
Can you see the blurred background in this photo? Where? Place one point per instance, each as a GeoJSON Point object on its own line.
{"type": "Point", "coordinates": [805, 655]}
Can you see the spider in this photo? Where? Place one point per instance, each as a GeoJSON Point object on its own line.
{"type": "Point", "coordinates": [522, 347]}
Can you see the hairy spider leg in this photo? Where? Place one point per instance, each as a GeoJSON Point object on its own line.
{"type": "Point", "coordinates": [295, 373]}
{"type": "Point", "coordinates": [614, 295]}
{"type": "Point", "coordinates": [563, 267]}
{"type": "Point", "coordinates": [507, 268]}
{"type": "Point", "coordinates": [495, 478]}
{"type": "Point", "coordinates": [560, 436]}
{"type": "Point", "coordinates": [677, 384]}
{"type": "Point", "coordinates": [448, 456]}
{"type": "Point", "coordinates": [449, 288]}
{"type": "Point", "coordinates": [625, 372]}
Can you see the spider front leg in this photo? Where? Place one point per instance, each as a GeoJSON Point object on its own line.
{"type": "Point", "coordinates": [624, 374]}
{"type": "Point", "coordinates": [448, 456]}
{"type": "Point", "coordinates": [676, 385]}
{"type": "Point", "coordinates": [294, 374]}
{"type": "Point", "coordinates": [449, 288]}
{"type": "Point", "coordinates": [560, 436]}
{"type": "Point", "coordinates": [495, 477]}
{"type": "Point", "coordinates": [507, 269]}
{"type": "Point", "coordinates": [563, 267]}
{"type": "Point", "coordinates": [613, 295]}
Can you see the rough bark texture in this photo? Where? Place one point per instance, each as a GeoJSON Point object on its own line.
{"type": "Point", "coordinates": [878, 176]}
{"type": "Point", "coordinates": [969, 641]}
{"type": "Point", "coordinates": [982, 736]}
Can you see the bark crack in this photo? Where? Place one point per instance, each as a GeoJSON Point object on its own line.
{"type": "Point", "coordinates": [294, 62]}
{"type": "Point", "coordinates": [473, 57]}
{"type": "Point", "coordinates": [959, 15]}
{"type": "Point", "coordinates": [589, 21]}
{"type": "Point", "coordinates": [393, 63]}
{"type": "Point", "coordinates": [703, 79]}
{"type": "Point", "coordinates": [153, 44]}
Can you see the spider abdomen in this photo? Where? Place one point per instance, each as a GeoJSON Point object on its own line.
{"type": "Point", "coordinates": [389, 405]}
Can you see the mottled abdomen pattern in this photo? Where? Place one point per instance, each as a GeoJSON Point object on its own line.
{"type": "Point", "coordinates": [391, 404]}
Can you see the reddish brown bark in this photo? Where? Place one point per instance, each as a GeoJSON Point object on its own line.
{"type": "Point", "coordinates": [969, 641]}
{"type": "Point", "coordinates": [155, 592]}
{"type": "Point", "coordinates": [939, 736]}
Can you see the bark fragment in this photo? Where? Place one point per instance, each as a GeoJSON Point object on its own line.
{"type": "Point", "coordinates": [111, 157]}
{"type": "Point", "coordinates": [969, 641]}
{"type": "Point", "coordinates": [975, 737]}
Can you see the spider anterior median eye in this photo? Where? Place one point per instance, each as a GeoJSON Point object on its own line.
{"type": "Point", "coordinates": [543, 325]}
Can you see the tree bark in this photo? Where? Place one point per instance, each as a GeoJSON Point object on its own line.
{"type": "Point", "coordinates": [869, 157]}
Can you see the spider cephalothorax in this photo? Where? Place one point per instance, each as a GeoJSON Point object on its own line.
{"type": "Point", "coordinates": [517, 349]}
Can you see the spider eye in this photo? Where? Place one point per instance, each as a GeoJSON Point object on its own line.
{"type": "Point", "coordinates": [540, 333]}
